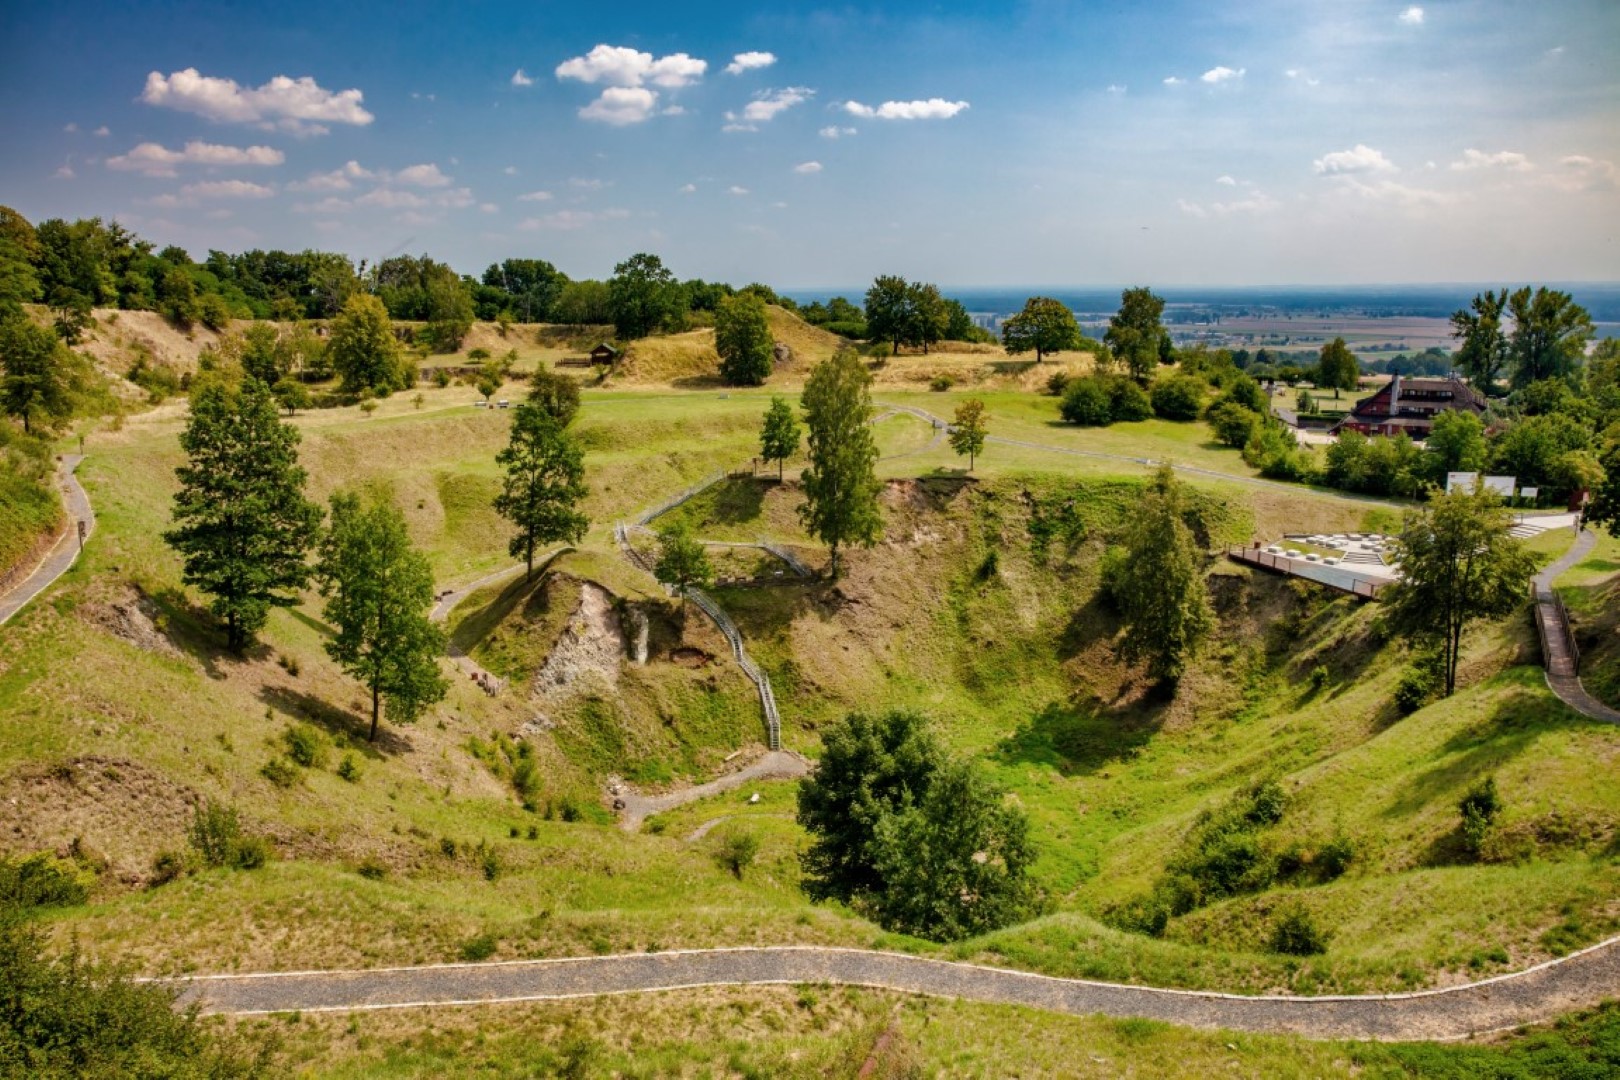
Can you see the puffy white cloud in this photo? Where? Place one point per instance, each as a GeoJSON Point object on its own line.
{"type": "Point", "coordinates": [227, 189]}
{"type": "Point", "coordinates": [621, 105]}
{"type": "Point", "coordinates": [932, 109]}
{"type": "Point", "coordinates": [1173, 80]}
{"type": "Point", "coordinates": [1226, 180]}
{"type": "Point", "coordinates": [520, 78]}
{"type": "Point", "coordinates": [300, 106]}
{"type": "Point", "coordinates": [1361, 159]}
{"type": "Point", "coordinates": [808, 167]}
{"type": "Point", "coordinates": [422, 176]}
{"type": "Point", "coordinates": [340, 179]}
{"type": "Point", "coordinates": [535, 196]}
{"type": "Point", "coordinates": [1412, 16]}
{"type": "Point", "coordinates": [458, 199]}
{"type": "Point", "coordinates": [766, 105]}
{"type": "Point", "coordinates": [619, 66]}
{"type": "Point", "coordinates": [687, 189]}
{"type": "Point", "coordinates": [157, 160]}
{"type": "Point", "coordinates": [1220, 74]}
{"type": "Point", "coordinates": [389, 199]}
{"type": "Point", "coordinates": [750, 61]}
{"type": "Point", "coordinates": [1504, 159]}
{"type": "Point", "coordinates": [102, 132]}
{"type": "Point", "coordinates": [736, 189]}
{"type": "Point", "coordinates": [572, 219]}
{"type": "Point", "coordinates": [833, 131]}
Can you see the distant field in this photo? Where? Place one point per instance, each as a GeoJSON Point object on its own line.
{"type": "Point", "coordinates": [1407, 333]}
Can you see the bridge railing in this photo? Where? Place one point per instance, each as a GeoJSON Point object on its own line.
{"type": "Point", "coordinates": [1331, 576]}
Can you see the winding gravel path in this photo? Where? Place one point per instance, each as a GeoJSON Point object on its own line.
{"type": "Point", "coordinates": [1548, 990]}
{"type": "Point", "coordinates": [66, 551]}
{"type": "Point", "coordinates": [774, 765]}
{"type": "Point", "coordinates": [1563, 677]}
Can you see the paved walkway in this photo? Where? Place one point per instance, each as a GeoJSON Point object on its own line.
{"type": "Point", "coordinates": [1580, 980]}
{"type": "Point", "coordinates": [66, 552]}
{"type": "Point", "coordinates": [775, 765]}
{"type": "Point", "coordinates": [1559, 658]}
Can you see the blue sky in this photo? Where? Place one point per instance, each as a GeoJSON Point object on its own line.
{"type": "Point", "coordinates": [1171, 143]}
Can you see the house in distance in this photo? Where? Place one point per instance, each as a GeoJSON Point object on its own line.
{"type": "Point", "coordinates": [1409, 405]}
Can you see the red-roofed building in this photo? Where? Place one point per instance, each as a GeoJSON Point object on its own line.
{"type": "Point", "coordinates": [1408, 406]}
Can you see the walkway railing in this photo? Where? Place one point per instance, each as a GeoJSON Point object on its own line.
{"type": "Point", "coordinates": [1333, 577]}
{"type": "Point", "coordinates": [669, 504]}
{"type": "Point", "coordinates": [767, 697]}
{"type": "Point", "coordinates": [1553, 617]}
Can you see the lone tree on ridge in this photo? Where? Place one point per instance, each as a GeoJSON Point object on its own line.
{"type": "Point", "coordinates": [840, 484]}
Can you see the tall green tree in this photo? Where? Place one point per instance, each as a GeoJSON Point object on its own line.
{"type": "Point", "coordinates": [840, 483]}
{"type": "Point", "coordinates": [1550, 332]}
{"type": "Point", "coordinates": [779, 437]}
{"type": "Point", "coordinates": [1158, 584]}
{"type": "Point", "coordinates": [241, 522]}
{"type": "Point", "coordinates": [1045, 325]}
{"type": "Point", "coordinates": [929, 315]}
{"type": "Point", "coordinates": [1456, 443]}
{"type": "Point", "coordinates": [1337, 367]}
{"type": "Point", "coordinates": [362, 349]}
{"type": "Point", "coordinates": [643, 296]}
{"type": "Point", "coordinates": [682, 560]}
{"type": "Point", "coordinates": [555, 393]}
{"type": "Point", "coordinates": [1483, 352]}
{"type": "Point", "coordinates": [889, 315]}
{"type": "Point", "coordinates": [1135, 332]}
{"type": "Point", "coordinates": [742, 337]}
{"type": "Point", "coordinates": [968, 430]}
{"type": "Point", "coordinates": [34, 382]}
{"type": "Point", "coordinates": [1458, 565]}
{"type": "Point", "coordinates": [449, 312]}
{"type": "Point", "coordinates": [544, 483]}
{"type": "Point", "coordinates": [533, 285]}
{"type": "Point", "coordinates": [379, 590]}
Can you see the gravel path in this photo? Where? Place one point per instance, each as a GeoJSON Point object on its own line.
{"type": "Point", "coordinates": [66, 552]}
{"type": "Point", "coordinates": [1562, 675]}
{"type": "Point", "coordinates": [775, 765]}
{"type": "Point", "coordinates": [1577, 981]}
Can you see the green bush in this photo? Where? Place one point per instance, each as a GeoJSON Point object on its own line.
{"type": "Point", "coordinates": [1479, 809]}
{"type": "Point", "coordinates": [280, 772]}
{"type": "Point", "coordinates": [478, 949]}
{"type": "Point", "coordinates": [737, 850]}
{"type": "Point", "coordinates": [349, 769]}
{"type": "Point", "coordinates": [1127, 401]}
{"type": "Point", "coordinates": [306, 746]}
{"type": "Point", "coordinates": [216, 835]}
{"type": "Point", "coordinates": [1086, 402]}
{"type": "Point", "coordinates": [1335, 858]}
{"type": "Point", "coordinates": [41, 880]}
{"type": "Point", "coordinates": [1179, 397]}
{"type": "Point", "coordinates": [372, 868]}
{"type": "Point", "coordinates": [1415, 689]}
{"type": "Point", "coordinates": [1056, 382]}
{"type": "Point", "coordinates": [1234, 424]}
{"type": "Point", "coordinates": [167, 866]}
{"type": "Point", "coordinates": [940, 383]}
{"type": "Point", "coordinates": [1295, 933]}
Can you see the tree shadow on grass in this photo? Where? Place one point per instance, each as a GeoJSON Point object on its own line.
{"type": "Point", "coordinates": [738, 500]}
{"type": "Point", "coordinates": [310, 621]}
{"type": "Point", "coordinates": [1081, 738]}
{"type": "Point", "coordinates": [1517, 722]}
{"type": "Point", "coordinates": [698, 382]}
{"type": "Point", "coordinates": [479, 623]}
{"type": "Point", "coordinates": [348, 727]}
{"type": "Point", "coordinates": [197, 633]}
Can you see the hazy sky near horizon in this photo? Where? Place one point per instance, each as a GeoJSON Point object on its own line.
{"type": "Point", "coordinates": [1216, 142]}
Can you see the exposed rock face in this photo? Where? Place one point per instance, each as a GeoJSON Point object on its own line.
{"type": "Point", "coordinates": [586, 657]}
{"type": "Point", "coordinates": [782, 353]}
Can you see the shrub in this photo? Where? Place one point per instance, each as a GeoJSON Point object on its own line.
{"type": "Point", "coordinates": [1179, 397]}
{"type": "Point", "coordinates": [306, 746]}
{"type": "Point", "coordinates": [448, 847]}
{"type": "Point", "coordinates": [478, 949]}
{"type": "Point", "coordinates": [1416, 688]}
{"type": "Point", "coordinates": [737, 850]}
{"type": "Point", "coordinates": [1086, 402]}
{"type": "Point", "coordinates": [41, 880]}
{"type": "Point", "coordinates": [1234, 424]}
{"type": "Point", "coordinates": [1479, 809]}
{"type": "Point", "coordinates": [251, 853]}
{"type": "Point", "coordinates": [1319, 678]}
{"type": "Point", "coordinates": [1127, 401]}
{"type": "Point", "coordinates": [940, 383]}
{"type": "Point", "coordinates": [280, 772]}
{"type": "Point", "coordinates": [441, 377]}
{"type": "Point", "coordinates": [1056, 382]}
{"type": "Point", "coordinates": [372, 868]}
{"type": "Point", "coordinates": [1335, 858]}
{"type": "Point", "coordinates": [1296, 934]}
{"type": "Point", "coordinates": [167, 866]}
{"type": "Point", "coordinates": [1267, 801]}
{"type": "Point", "coordinates": [349, 769]}
{"type": "Point", "coordinates": [216, 835]}
{"type": "Point", "coordinates": [489, 861]}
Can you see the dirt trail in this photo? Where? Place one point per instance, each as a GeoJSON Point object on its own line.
{"type": "Point", "coordinates": [66, 551]}
{"type": "Point", "coordinates": [775, 765]}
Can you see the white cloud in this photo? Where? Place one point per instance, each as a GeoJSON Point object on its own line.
{"type": "Point", "coordinates": [1296, 73]}
{"type": "Point", "coordinates": [672, 110]}
{"type": "Point", "coordinates": [1582, 173]}
{"type": "Point", "coordinates": [156, 160]}
{"type": "Point", "coordinates": [808, 167]}
{"type": "Point", "coordinates": [1412, 16]}
{"type": "Point", "coordinates": [1504, 159]}
{"type": "Point", "coordinates": [389, 199]}
{"type": "Point", "coordinates": [71, 128]}
{"type": "Point", "coordinates": [489, 208]}
{"type": "Point", "coordinates": [687, 189]}
{"type": "Point", "coordinates": [458, 199]}
{"type": "Point", "coordinates": [1226, 180]}
{"type": "Point", "coordinates": [571, 219]}
{"type": "Point", "coordinates": [411, 217]}
{"type": "Point", "coordinates": [1191, 208]}
{"type": "Point", "coordinates": [736, 189]}
{"type": "Point", "coordinates": [102, 132]}
{"type": "Point", "coordinates": [329, 205]}
{"type": "Point", "coordinates": [1555, 52]}
{"type": "Point", "coordinates": [833, 131]}
{"type": "Point", "coordinates": [1401, 195]}
{"type": "Point", "coordinates": [587, 183]}
{"type": "Point", "coordinates": [932, 109]}
{"type": "Point", "coordinates": [618, 66]}
{"type": "Point", "coordinates": [1173, 80]}
{"type": "Point", "coordinates": [520, 78]}
{"type": "Point", "coordinates": [1220, 74]}
{"type": "Point", "coordinates": [1115, 89]}
{"type": "Point", "coordinates": [64, 173]}
{"type": "Point", "coordinates": [340, 179]}
{"type": "Point", "coordinates": [765, 106]}
{"type": "Point", "coordinates": [1362, 159]}
{"type": "Point", "coordinates": [427, 176]}
{"type": "Point", "coordinates": [510, 170]}
{"type": "Point", "coordinates": [1258, 203]}
{"type": "Point", "coordinates": [227, 189]}
{"type": "Point", "coordinates": [417, 95]}
{"type": "Point", "coordinates": [750, 61]}
{"type": "Point", "coordinates": [535, 196]}
{"type": "Point", "coordinates": [621, 105]}
{"type": "Point", "coordinates": [300, 106]}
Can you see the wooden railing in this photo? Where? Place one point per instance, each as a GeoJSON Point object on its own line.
{"type": "Point", "coordinates": [1300, 568]}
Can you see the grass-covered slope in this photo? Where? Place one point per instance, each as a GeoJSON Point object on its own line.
{"type": "Point", "coordinates": [30, 509]}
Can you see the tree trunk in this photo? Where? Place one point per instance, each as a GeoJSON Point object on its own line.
{"type": "Point", "coordinates": [781, 463]}
{"type": "Point", "coordinates": [373, 736]}
{"type": "Point", "coordinates": [528, 556]}
{"type": "Point", "coordinates": [897, 346]}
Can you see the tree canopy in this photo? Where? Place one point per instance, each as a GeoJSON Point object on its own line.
{"type": "Point", "coordinates": [1337, 369]}
{"type": "Point", "coordinates": [643, 296]}
{"type": "Point", "coordinates": [840, 484]}
{"type": "Point", "coordinates": [682, 560]}
{"type": "Point", "coordinates": [742, 337]}
{"type": "Point", "coordinates": [1157, 583]}
{"type": "Point", "coordinates": [35, 384]}
{"type": "Point", "coordinates": [1135, 334]}
{"type": "Point", "coordinates": [780, 434]}
{"type": "Point", "coordinates": [240, 520]}
{"type": "Point", "coordinates": [1483, 352]}
{"type": "Point", "coordinates": [1550, 332]}
{"type": "Point", "coordinates": [363, 350]}
{"type": "Point", "coordinates": [1045, 326]}
{"type": "Point", "coordinates": [543, 485]}
{"type": "Point", "coordinates": [968, 430]}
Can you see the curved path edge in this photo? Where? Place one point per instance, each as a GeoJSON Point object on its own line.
{"type": "Point", "coordinates": [1580, 980]}
{"type": "Point", "coordinates": [1563, 676]}
{"type": "Point", "coordinates": [65, 552]}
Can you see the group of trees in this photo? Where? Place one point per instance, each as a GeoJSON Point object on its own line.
{"type": "Point", "coordinates": [914, 314]}
{"type": "Point", "coordinates": [244, 531]}
{"type": "Point", "coordinates": [1547, 340]}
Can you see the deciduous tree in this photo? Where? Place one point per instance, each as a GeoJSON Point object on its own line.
{"type": "Point", "coordinates": [1337, 368]}
{"type": "Point", "coordinates": [1550, 332]}
{"type": "Point", "coordinates": [378, 591]}
{"type": "Point", "coordinates": [555, 393]}
{"type": "Point", "coordinates": [363, 350]}
{"type": "Point", "coordinates": [1135, 332]}
{"type": "Point", "coordinates": [544, 483]}
{"type": "Point", "coordinates": [840, 484]}
{"type": "Point", "coordinates": [742, 337]}
{"type": "Point", "coordinates": [34, 381]}
{"type": "Point", "coordinates": [968, 430]}
{"type": "Point", "coordinates": [643, 296]}
{"type": "Point", "coordinates": [1159, 585]}
{"type": "Point", "coordinates": [1483, 352]}
{"type": "Point", "coordinates": [1045, 326]}
{"type": "Point", "coordinates": [1458, 565]}
{"type": "Point", "coordinates": [889, 314]}
{"type": "Point", "coordinates": [241, 522]}
{"type": "Point", "coordinates": [682, 560]}
{"type": "Point", "coordinates": [779, 437]}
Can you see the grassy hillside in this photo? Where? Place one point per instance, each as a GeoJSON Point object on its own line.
{"type": "Point", "coordinates": [484, 826]}
{"type": "Point", "coordinates": [30, 509]}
